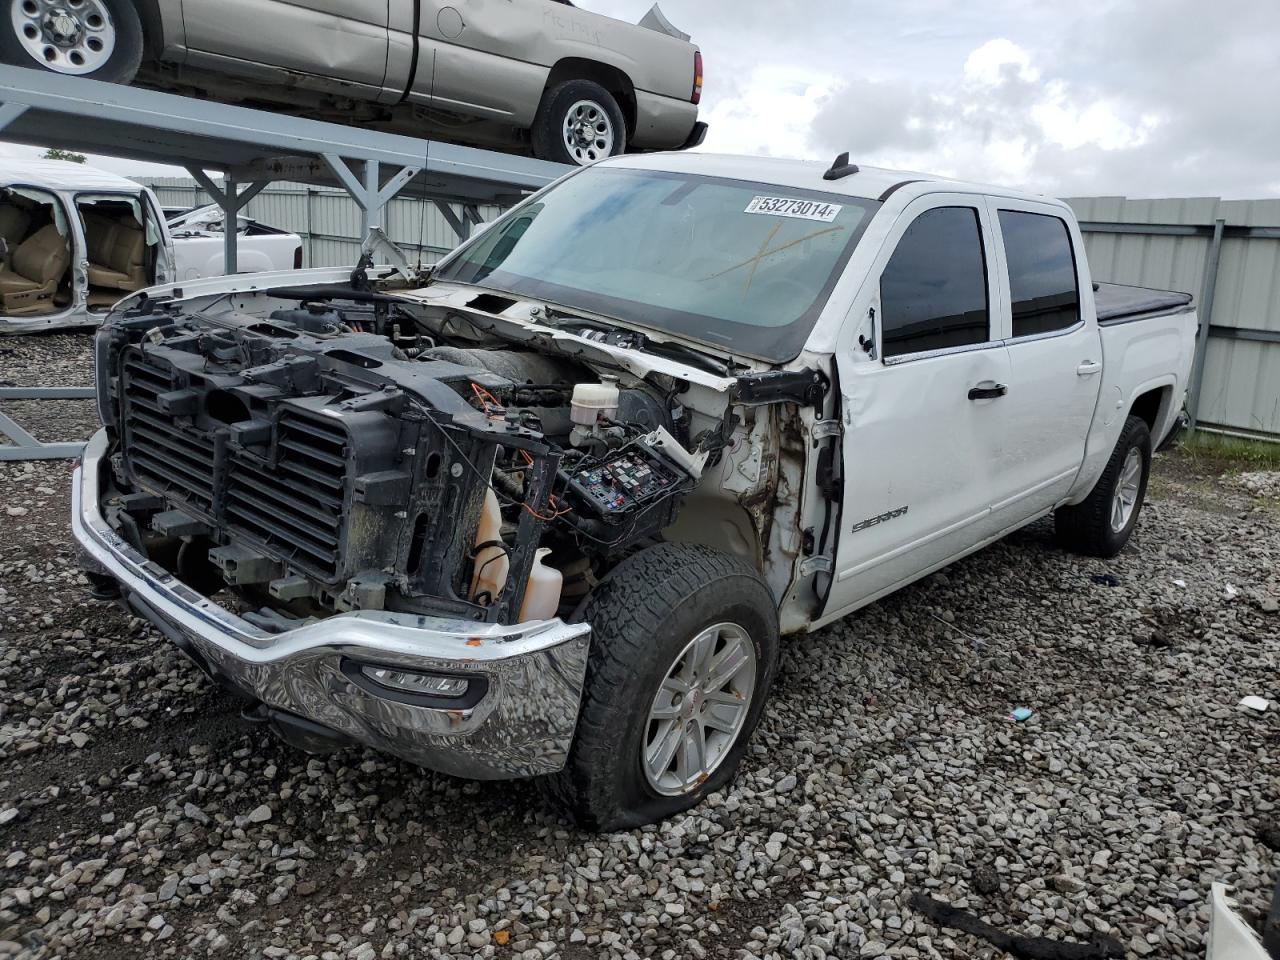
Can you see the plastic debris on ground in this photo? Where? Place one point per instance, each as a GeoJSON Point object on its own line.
{"type": "Point", "coordinates": [1259, 704]}
{"type": "Point", "coordinates": [1105, 579]}
{"type": "Point", "coordinates": [1020, 714]}
{"type": "Point", "coordinates": [1230, 938]}
{"type": "Point", "coordinates": [975, 642]}
{"type": "Point", "coordinates": [1098, 947]}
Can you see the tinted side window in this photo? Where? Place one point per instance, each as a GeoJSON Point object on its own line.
{"type": "Point", "coordinates": [933, 292]}
{"type": "Point", "coordinates": [1042, 272]}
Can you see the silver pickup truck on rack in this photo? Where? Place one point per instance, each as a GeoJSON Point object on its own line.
{"type": "Point", "coordinates": [569, 85]}
{"type": "Point", "coordinates": [550, 508]}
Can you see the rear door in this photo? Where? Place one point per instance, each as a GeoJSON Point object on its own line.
{"type": "Point", "coordinates": [490, 56]}
{"type": "Point", "coordinates": [340, 42]}
{"type": "Point", "coordinates": [924, 413]}
{"type": "Point", "coordinates": [1055, 358]}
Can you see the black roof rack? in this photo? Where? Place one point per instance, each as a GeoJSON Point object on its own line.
{"type": "Point", "coordinates": [841, 168]}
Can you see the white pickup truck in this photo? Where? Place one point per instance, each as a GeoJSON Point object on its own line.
{"type": "Point", "coordinates": [199, 251]}
{"type": "Point", "coordinates": [75, 239]}
{"type": "Point", "coordinates": [550, 508]}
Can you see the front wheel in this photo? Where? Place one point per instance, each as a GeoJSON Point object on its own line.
{"type": "Point", "coordinates": [1102, 523]}
{"type": "Point", "coordinates": [683, 651]}
{"type": "Point", "coordinates": [578, 123]}
{"type": "Point", "coordinates": [98, 39]}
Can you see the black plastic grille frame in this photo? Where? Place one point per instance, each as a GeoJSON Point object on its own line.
{"type": "Point", "coordinates": [294, 503]}
{"type": "Point", "coordinates": [174, 459]}
{"type": "Point", "coordinates": [297, 507]}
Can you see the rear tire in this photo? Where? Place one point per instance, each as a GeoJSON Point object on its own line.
{"type": "Point", "coordinates": [669, 614]}
{"type": "Point", "coordinates": [105, 41]}
{"type": "Point", "coordinates": [578, 122]}
{"type": "Point", "coordinates": [1102, 523]}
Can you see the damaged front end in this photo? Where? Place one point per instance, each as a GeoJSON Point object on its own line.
{"type": "Point", "coordinates": [398, 530]}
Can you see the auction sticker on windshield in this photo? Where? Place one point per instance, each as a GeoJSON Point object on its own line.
{"type": "Point", "coordinates": [800, 209]}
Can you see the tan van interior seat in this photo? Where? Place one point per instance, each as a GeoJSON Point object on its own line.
{"type": "Point", "coordinates": [37, 265]}
{"type": "Point", "coordinates": [117, 250]}
{"type": "Point", "coordinates": [14, 222]}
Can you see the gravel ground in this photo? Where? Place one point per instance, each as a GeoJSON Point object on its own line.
{"type": "Point", "coordinates": [139, 816]}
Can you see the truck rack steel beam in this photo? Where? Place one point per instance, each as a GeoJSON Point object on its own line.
{"type": "Point", "coordinates": [251, 148]}
{"type": "Point", "coordinates": [256, 146]}
{"type": "Point", "coordinates": [25, 446]}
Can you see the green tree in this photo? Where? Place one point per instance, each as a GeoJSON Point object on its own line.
{"type": "Point", "coordinates": [53, 153]}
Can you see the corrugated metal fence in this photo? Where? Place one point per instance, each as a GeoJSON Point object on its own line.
{"type": "Point", "coordinates": [1226, 253]}
{"type": "Point", "coordinates": [1154, 243]}
{"type": "Point", "coordinates": [328, 220]}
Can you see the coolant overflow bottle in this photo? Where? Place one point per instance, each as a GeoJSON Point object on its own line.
{"type": "Point", "coordinates": [490, 571]}
{"type": "Point", "coordinates": [542, 596]}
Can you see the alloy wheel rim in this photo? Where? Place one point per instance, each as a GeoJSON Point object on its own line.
{"type": "Point", "coordinates": [588, 132]}
{"type": "Point", "coordinates": [700, 709]}
{"type": "Point", "coordinates": [66, 36]}
{"type": "Point", "coordinates": [1125, 499]}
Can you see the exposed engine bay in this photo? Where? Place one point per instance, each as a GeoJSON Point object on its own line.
{"type": "Point", "coordinates": [346, 450]}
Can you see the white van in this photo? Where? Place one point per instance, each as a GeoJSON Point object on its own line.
{"type": "Point", "coordinates": [75, 239]}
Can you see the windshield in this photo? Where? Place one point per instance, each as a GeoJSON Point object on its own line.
{"type": "Point", "coordinates": [745, 267]}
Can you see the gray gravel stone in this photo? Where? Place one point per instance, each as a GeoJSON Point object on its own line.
{"type": "Point", "coordinates": [260, 813]}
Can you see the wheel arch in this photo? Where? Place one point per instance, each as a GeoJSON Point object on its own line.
{"type": "Point", "coordinates": [722, 525]}
{"type": "Point", "coordinates": [1151, 404]}
{"type": "Point", "coordinates": [608, 76]}
{"type": "Point", "coordinates": [152, 28]}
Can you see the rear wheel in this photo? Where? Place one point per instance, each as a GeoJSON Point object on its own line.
{"type": "Point", "coordinates": [1101, 525]}
{"type": "Point", "coordinates": [683, 652]}
{"type": "Point", "coordinates": [98, 39]}
{"type": "Point", "coordinates": [578, 123]}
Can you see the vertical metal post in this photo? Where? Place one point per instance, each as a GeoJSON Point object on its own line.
{"type": "Point", "coordinates": [371, 209]}
{"type": "Point", "coordinates": [231, 201]}
{"type": "Point", "coordinates": [311, 240]}
{"type": "Point", "coordinates": [230, 236]}
{"type": "Point", "coordinates": [1206, 316]}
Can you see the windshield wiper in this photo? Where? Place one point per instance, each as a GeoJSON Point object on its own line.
{"type": "Point", "coordinates": [678, 351]}
{"type": "Point", "coordinates": [600, 332]}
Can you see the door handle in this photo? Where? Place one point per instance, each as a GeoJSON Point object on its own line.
{"type": "Point", "coordinates": [1088, 368]}
{"type": "Point", "coordinates": [988, 391]}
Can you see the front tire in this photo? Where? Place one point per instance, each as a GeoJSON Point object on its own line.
{"type": "Point", "coordinates": [578, 122]}
{"type": "Point", "coordinates": [1101, 525]}
{"type": "Point", "coordinates": [97, 39]}
{"type": "Point", "coordinates": [684, 649]}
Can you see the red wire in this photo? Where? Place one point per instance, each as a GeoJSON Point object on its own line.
{"type": "Point", "coordinates": [485, 398]}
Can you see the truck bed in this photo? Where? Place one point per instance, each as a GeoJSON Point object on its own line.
{"type": "Point", "coordinates": [1120, 303]}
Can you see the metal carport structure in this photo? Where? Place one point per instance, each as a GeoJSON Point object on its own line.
{"type": "Point", "coordinates": [254, 147]}
{"type": "Point", "coordinates": [250, 148]}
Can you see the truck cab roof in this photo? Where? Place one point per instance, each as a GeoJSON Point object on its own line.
{"type": "Point", "coordinates": [64, 176]}
{"type": "Point", "coordinates": [870, 183]}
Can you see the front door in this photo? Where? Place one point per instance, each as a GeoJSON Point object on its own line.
{"type": "Point", "coordinates": [924, 408]}
{"type": "Point", "coordinates": [339, 42]}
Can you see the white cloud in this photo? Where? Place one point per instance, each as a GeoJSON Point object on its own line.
{"type": "Point", "coordinates": [996, 59]}
{"type": "Point", "coordinates": [771, 115]}
{"type": "Point", "coordinates": [1073, 125]}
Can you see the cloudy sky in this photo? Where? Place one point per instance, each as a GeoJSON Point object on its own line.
{"type": "Point", "coordinates": [1135, 97]}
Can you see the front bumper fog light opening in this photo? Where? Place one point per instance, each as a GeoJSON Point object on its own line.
{"type": "Point", "coordinates": [418, 687]}
{"type": "Point", "coordinates": [406, 681]}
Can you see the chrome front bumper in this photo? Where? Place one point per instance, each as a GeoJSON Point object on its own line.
{"type": "Point", "coordinates": [521, 726]}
